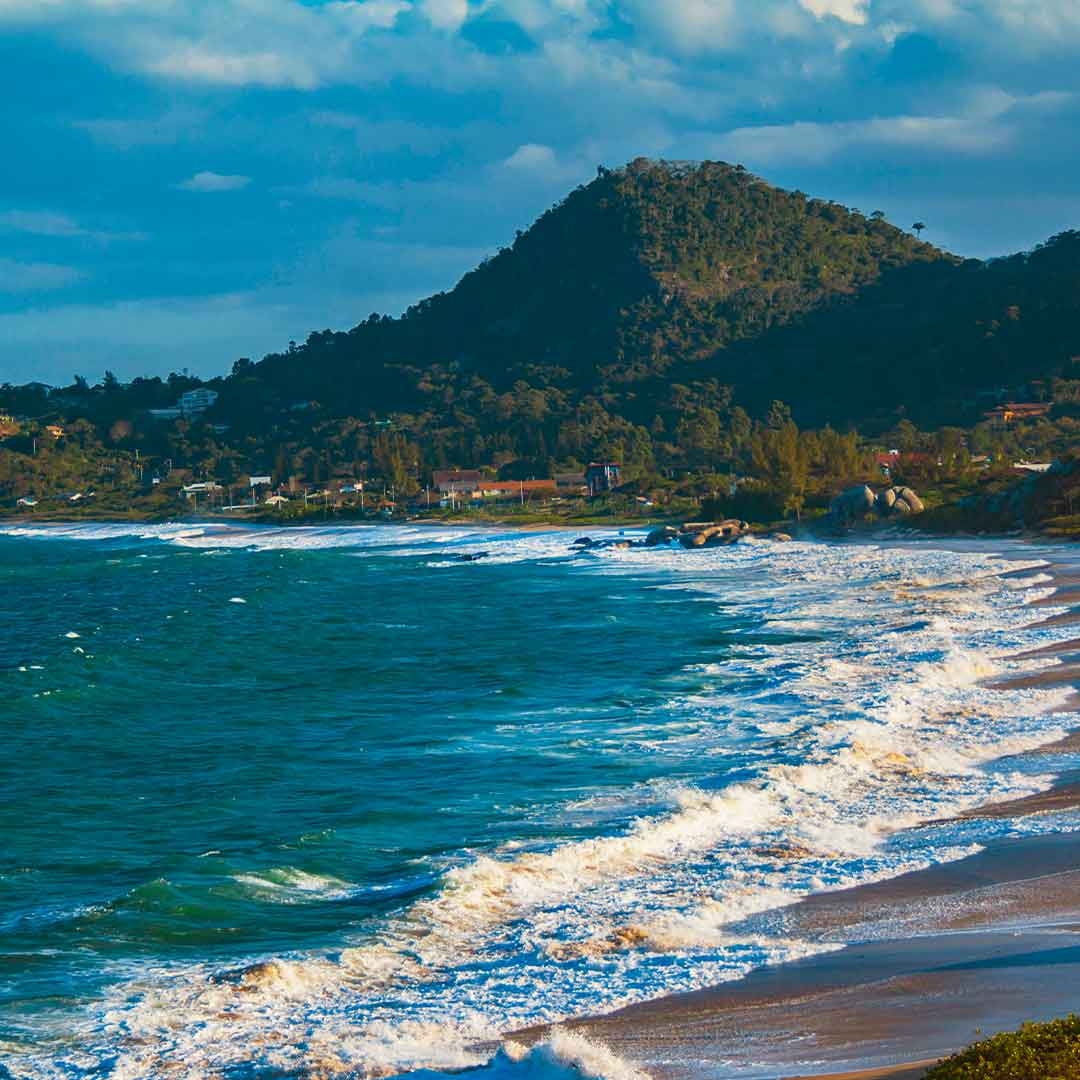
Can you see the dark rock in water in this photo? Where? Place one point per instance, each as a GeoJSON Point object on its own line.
{"type": "Point", "coordinates": [661, 536]}
{"type": "Point", "coordinates": [471, 556]}
{"type": "Point", "coordinates": [586, 543]}
{"type": "Point", "coordinates": [249, 977]}
{"type": "Point", "coordinates": [713, 534]}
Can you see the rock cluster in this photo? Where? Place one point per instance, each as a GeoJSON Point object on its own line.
{"type": "Point", "coordinates": [692, 534]}
{"type": "Point", "coordinates": [855, 503]}
{"type": "Point", "coordinates": [695, 534]}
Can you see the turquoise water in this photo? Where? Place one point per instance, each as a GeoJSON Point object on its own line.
{"type": "Point", "coordinates": [281, 800]}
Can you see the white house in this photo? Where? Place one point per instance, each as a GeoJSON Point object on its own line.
{"type": "Point", "coordinates": [194, 402]}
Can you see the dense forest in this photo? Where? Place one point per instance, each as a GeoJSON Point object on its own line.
{"type": "Point", "coordinates": [659, 316]}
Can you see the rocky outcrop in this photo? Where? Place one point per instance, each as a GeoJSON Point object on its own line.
{"type": "Point", "coordinates": [695, 534]}
{"type": "Point", "coordinates": [692, 534]}
{"type": "Point", "coordinates": [853, 504]}
{"type": "Point", "coordinates": [698, 534]}
{"type": "Point", "coordinates": [907, 502]}
{"type": "Point", "coordinates": [661, 536]}
{"type": "Point", "coordinates": [857, 503]}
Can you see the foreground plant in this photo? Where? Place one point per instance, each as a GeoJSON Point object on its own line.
{"type": "Point", "coordinates": [1036, 1052]}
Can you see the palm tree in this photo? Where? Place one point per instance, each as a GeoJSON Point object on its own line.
{"type": "Point", "coordinates": [918, 227]}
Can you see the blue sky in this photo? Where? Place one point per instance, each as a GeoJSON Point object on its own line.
{"type": "Point", "coordinates": [189, 181]}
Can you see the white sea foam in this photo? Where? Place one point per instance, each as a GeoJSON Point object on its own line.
{"type": "Point", "coordinates": [291, 885]}
{"type": "Point", "coordinates": [874, 720]}
{"type": "Point", "coordinates": [565, 1056]}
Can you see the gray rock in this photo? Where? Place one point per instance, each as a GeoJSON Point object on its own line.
{"type": "Point", "coordinates": [852, 504]}
{"type": "Point", "coordinates": [913, 500]}
{"type": "Point", "coordinates": [661, 536]}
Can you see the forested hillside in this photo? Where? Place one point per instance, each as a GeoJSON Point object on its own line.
{"type": "Point", "coordinates": [658, 316]}
{"type": "Point", "coordinates": [645, 269]}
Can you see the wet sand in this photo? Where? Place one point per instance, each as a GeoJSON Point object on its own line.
{"type": "Point", "coordinates": [924, 964]}
{"type": "Point", "coordinates": [946, 955]}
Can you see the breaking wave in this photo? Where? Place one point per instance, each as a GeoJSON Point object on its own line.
{"type": "Point", "coordinates": [870, 722]}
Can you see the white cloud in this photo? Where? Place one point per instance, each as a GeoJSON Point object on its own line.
{"type": "Point", "coordinates": [986, 122]}
{"type": "Point", "coordinates": [214, 182]}
{"type": "Point", "coordinates": [690, 26]}
{"type": "Point", "coordinates": [198, 63]}
{"type": "Point", "coordinates": [849, 11]}
{"type": "Point", "coordinates": [532, 157]}
{"type": "Point", "coordinates": [24, 277]}
{"type": "Point", "coordinates": [447, 15]}
{"type": "Point", "coordinates": [781, 45]}
{"type": "Point", "coordinates": [363, 15]}
{"type": "Point", "coordinates": [127, 132]}
{"type": "Point", "coordinates": [55, 225]}
{"type": "Point", "coordinates": [771, 145]}
{"type": "Point", "coordinates": [40, 223]}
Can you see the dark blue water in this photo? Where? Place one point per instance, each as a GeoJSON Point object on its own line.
{"type": "Point", "coordinates": [434, 799]}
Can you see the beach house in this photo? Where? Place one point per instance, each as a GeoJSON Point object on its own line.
{"type": "Point", "coordinates": [601, 476]}
{"type": "Point", "coordinates": [457, 481]}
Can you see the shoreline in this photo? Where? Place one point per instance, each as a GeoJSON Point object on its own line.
{"type": "Point", "coordinates": [930, 961]}
{"type": "Point", "coordinates": [991, 928]}
{"type": "Point", "coordinates": [908, 532]}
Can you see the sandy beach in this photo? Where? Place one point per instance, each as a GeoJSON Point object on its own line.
{"type": "Point", "coordinates": [926, 963]}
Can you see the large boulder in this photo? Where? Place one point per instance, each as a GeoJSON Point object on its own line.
{"type": "Point", "coordinates": [914, 502]}
{"type": "Point", "coordinates": [886, 499]}
{"type": "Point", "coordinates": [661, 536]}
{"type": "Point", "coordinates": [697, 534]}
{"type": "Point", "coordinates": [853, 504]}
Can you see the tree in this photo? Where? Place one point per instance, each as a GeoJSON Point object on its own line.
{"type": "Point", "coordinates": [918, 227]}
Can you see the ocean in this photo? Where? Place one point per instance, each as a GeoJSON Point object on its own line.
{"type": "Point", "coordinates": [338, 802]}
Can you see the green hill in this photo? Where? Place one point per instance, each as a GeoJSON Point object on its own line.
{"type": "Point", "coordinates": [647, 270]}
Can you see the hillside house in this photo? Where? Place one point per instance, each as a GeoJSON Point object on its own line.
{"type": "Point", "coordinates": [1011, 411]}
{"type": "Point", "coordinates": [191, 404]}
{"type": "Point", "coordinates": [457, 481]}
{"type": "Point", "coordinates": [602, 476]}
{"type": "Point", "coordinates": [515, 489]}
{"type": "Point", "coordinates": [196, 402]}
{"type": "Point", "coordinates": [570, 482]}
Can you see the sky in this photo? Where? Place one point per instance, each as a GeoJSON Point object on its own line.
{"type": "Point", "coordinates": [185, 182]}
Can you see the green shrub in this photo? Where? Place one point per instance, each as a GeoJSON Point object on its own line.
{"type": "Point", "coordinates": [1035, 1052]}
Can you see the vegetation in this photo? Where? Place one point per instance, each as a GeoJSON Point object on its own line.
{"type": "Point", "coordinates": [1035, 1052]}
{"type": "Point", "coordinates": [659, 316]}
